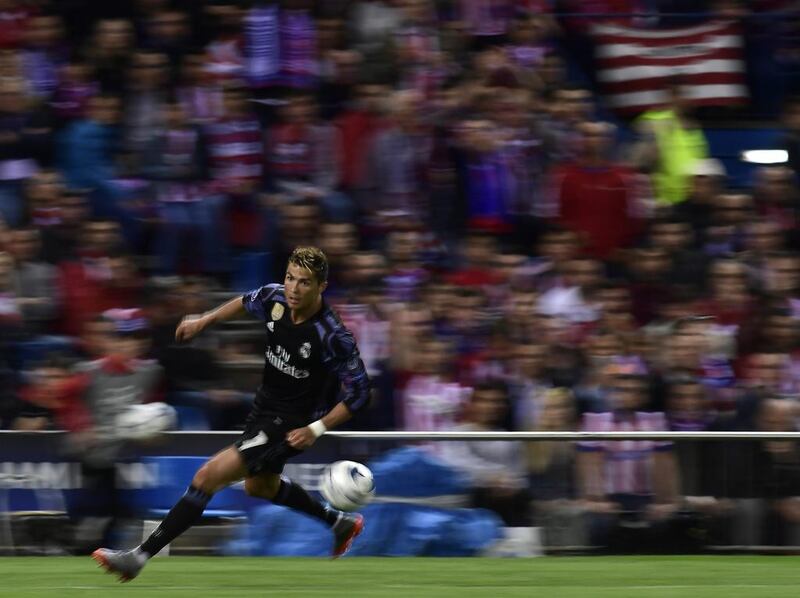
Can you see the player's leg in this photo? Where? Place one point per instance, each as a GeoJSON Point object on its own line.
{"type": "Point", "coordinates": [220, 471]}
{"type": "Point", "coordinates": [283, 491]}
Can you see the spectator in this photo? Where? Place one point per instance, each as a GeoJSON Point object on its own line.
{"type": "Point", "coordinates": [88, 403]}
{"type": "Point", "coordinates": [188, 207]}
{"type": "Point", "coordinates": [409, 327]}
{"type": "Point", "coordinates": [144, 109]}
{"type": "Point", "coordinates": [358, 125]}
{"type": "Point", "coordinates": [432, 400]}
{"type": "Point", "coordinates": [782, 278]}
{"type": "Point", "coordinates": [40, 405]}
{"type": "Point", "coordinates": [75, 87]}
{"type": "Point", "coordinates": [627, 482]}
{"type": "Point", "coordinates": [236, 150]}
{"type": "Point", "coordinates": [566, 107]}
{"type": "Point", "coordinates": [776, 199]}
{"type": "Point", "coordinates": [396, 160]}
{"type": "Point", "coordinates": [339, 241]}
{"type": "Point", "coordinates": [495, 468]}
{"type": "Point", "coordinates": [688, 407]}
{"type": "Point", "coordinates": [86, 155]}
{"type": "Point", "coordinates": [167, 32]}
{"type": "Point", "coordinates": [200, 99]}
{"type": "Point", "coordinates": [782, 483]}
{"type": "Point", "coordinates": [570, 299]}
{"type": "Point", "coordinates": [671, 142]}
{"type": "Point", "coordinates": [16, 152]}
{"type": "Point", "coordinates": [529, 384]}
{"type": "Point", "coordinates": [372, 22]}
{"type": "Point", "coordinates": [61, 226]}
{"type": "Point", "coordinates": [596, 198]}
{"type": "Point", "coordinates": [34, 281]}
{"type": "Point", "coordinates": [687, 266]}
{"type": "Point", "coordinates": [225, 59]}
{"type": "Point", "coordinates": [235, 144]}
{"type": "Point", "coordinates": [10, 309]}
{"type": "Point", "coordinates": [44, 54]}
{"type": "Point", "coordinates": [302, 153]}
{"type": "Point", "coordinates": [762, 237]}
{"type": "Point", "coordinates": [298, 45]}
{"type": "Point", "coordinates": [418, 59]}
{"type": "Point", "coordinates": [487, 175]}
{"type": "Point", "coordinates": [81, 281]}
{"type": "Point", "coordinates": [405, 273]}
{"type": "Point", "coordinates": [553, 474]}
{"type": "Point", "coordinates": [707, 180]}
{"type": "Point", "coordinates": [731, 304]}
{"type": "Point", "coordinates": [109, 52]}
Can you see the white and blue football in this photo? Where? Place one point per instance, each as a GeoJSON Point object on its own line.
{"type": "Point", "coordinates": [144, 421]}
{"type": "Point", "coordinates": [347, 485]}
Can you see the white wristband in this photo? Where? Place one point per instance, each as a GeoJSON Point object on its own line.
{"type": "Point", "coordinates": [317, 428]}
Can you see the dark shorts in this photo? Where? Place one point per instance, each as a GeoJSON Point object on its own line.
{"type": "Point", "coordinates": [263, 444]}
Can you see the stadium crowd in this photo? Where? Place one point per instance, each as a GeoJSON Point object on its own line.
{"type": "Point", "coordinates": [507, 251]}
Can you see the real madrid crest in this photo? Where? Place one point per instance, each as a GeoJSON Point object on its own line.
{"type": "Point", "coordinates": [305, 350]}
{"type": "Point", "coordinates": [277, 311]}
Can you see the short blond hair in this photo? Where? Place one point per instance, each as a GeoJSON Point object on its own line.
{"type": "Point", "coordinates": [312, 259]}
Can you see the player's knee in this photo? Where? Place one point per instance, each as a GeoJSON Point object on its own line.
{"type": "Point", "coordinates": [252, 487]}
{"type": "Point", "coordinates": [202, 480]}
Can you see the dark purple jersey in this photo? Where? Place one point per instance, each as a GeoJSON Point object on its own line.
{"type": "Point", "coordinates": [309, 366]}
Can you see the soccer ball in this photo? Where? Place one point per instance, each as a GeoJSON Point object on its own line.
{"type": "Point", "coordinates": [139, 422]}
{"type": "Point", "coordinates": [347, 485]}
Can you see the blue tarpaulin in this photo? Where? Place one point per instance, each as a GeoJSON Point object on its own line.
{"type": "Point", "coordinates": [392, 528]}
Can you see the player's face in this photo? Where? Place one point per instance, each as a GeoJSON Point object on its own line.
{"type": "Point", "coordinates": [302, 287]}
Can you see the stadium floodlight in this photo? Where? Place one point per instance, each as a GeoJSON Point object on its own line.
{"type": "Point", "coordinates": [765, 156]}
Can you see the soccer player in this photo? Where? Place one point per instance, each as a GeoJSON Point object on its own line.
{"type": "Point", "coordinates": [310, 357]}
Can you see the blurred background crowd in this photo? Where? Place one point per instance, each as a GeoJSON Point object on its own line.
{"type": "Point", "coordinates": [510, 251]}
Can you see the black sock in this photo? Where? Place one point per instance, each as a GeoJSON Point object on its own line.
{"type": "Point", "coordinates": [181, 517]}
{"type": "Point", "coordinates": [294, 496]}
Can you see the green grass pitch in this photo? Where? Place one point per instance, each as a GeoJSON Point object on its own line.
{"type": "Point", "coordinates": [557, 577]}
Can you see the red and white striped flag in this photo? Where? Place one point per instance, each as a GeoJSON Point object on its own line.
{"type": "Point", "coordinates": [636, 65]}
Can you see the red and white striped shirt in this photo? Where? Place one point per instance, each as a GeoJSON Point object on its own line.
{"type": "Point", "coordinates": [431, 403]}
{"type": "Point", "coordinates": [236, 149]}
{"type": "Point", "coordinates": [627, 462]}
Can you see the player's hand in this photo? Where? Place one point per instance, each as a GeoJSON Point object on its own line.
{"type": "Point", "coordinates": [189, 327]}
{"type": "Point", "coordinates": [300, 438]}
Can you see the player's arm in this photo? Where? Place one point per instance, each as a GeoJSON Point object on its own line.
{"type": "Point", "coordinates": [253, 303]}
{"type": "Point", "coordinates": [194, 324]}
{"type": "Point", "coordinates": [302, 438]}
{"type": "Point", "coordinates": [345, 360]}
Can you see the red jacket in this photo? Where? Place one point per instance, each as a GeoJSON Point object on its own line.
{"type": "Point", "coordinates": [598, 203]}
{"type": "Point", "coordinates": [357, 129]}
